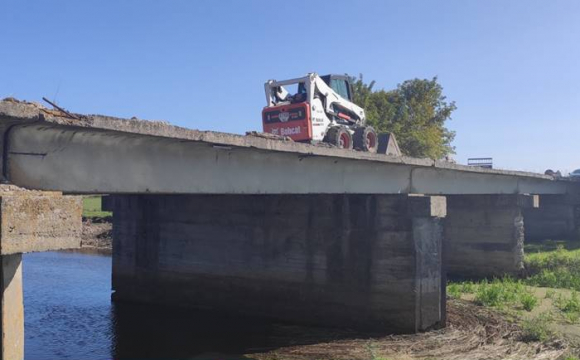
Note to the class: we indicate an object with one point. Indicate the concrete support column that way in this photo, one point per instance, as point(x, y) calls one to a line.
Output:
point(12, 308)
point(365, 261)
point(29, 221)
point(484, 234)
point(557, 218)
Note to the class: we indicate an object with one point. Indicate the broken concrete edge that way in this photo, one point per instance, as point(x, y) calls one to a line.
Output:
point(34, 221)
point(15, 112)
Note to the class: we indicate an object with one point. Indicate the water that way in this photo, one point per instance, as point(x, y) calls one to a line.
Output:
point(69, 315)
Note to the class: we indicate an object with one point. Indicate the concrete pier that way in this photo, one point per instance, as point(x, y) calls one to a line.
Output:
point(557, 218)
point(12, 308)
point(30, 221)
point(484, 235)
point(364, 261)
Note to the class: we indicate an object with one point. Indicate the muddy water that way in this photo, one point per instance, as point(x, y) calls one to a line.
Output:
point(69, 315)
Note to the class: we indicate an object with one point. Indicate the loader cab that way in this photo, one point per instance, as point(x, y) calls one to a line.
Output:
point(340, 84)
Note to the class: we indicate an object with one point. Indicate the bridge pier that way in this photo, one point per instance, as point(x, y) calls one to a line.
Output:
point(30, 221)
point(365, 261)
point(557, 218)
point(484, 234)
point(12, 308)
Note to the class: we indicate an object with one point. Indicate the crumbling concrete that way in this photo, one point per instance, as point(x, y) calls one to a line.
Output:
point(38, 221)
point(29, 221)
point(364, 261)
point(484, 235)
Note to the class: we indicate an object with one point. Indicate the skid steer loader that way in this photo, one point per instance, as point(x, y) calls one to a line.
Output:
point(319, 108)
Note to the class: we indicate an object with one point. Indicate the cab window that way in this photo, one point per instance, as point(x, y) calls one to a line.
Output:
point(341, 87)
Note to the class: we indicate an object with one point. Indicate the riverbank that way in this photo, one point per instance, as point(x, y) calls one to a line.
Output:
point(97, 233)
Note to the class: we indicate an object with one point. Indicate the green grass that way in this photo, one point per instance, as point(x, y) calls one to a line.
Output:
point(555, 268)
point(92, 207)
point(499, 293)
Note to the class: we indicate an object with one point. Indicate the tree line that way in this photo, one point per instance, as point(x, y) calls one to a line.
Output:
point(416, 112)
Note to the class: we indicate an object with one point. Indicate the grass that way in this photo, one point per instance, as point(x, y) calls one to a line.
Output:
point(555, 268)
point(499, 293)
point(92, 207)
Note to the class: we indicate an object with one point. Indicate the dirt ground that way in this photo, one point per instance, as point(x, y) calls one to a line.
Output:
point(473, 332)
point(97, 233)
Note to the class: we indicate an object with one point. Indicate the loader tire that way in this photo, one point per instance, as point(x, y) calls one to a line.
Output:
point(365, 139)
point(339, 137)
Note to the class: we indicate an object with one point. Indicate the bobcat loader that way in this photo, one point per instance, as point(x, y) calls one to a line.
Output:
point(318, 109)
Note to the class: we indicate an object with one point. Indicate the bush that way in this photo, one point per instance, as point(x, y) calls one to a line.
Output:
point(558, 269)
point(537, 329)
point(528, 301)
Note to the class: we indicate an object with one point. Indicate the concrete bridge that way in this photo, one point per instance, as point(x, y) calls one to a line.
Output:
point(266, 226)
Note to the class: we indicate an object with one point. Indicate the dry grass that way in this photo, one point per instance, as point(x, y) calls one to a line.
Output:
point(473, 332)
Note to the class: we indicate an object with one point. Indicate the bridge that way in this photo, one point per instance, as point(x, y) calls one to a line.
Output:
point(262, 225)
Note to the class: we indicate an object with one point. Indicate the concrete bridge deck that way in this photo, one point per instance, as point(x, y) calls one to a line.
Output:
point(265, 226)
point(48, 150)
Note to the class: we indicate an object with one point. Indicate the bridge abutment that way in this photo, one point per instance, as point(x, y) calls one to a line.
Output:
point(365, 261)
point(29, 221)
point(484, 235)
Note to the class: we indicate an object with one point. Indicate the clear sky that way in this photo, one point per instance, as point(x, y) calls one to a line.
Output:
point(512, 67)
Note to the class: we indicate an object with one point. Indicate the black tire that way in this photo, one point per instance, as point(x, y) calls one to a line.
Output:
point(366, 139)
point(339, 137)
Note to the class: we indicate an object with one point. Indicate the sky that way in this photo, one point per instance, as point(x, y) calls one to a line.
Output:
point(511, 66)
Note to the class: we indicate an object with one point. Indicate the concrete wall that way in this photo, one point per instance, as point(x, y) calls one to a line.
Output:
point(29, 221)
point(484, 235)
point(38, 221)
point(557, 218)
point(359, 260)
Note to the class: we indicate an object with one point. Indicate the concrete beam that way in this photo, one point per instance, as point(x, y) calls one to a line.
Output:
point(88, 160)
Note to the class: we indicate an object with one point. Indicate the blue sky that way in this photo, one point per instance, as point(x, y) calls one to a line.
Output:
point(512, 67)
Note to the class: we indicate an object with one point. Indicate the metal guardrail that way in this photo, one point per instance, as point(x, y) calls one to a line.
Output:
point(481, 162)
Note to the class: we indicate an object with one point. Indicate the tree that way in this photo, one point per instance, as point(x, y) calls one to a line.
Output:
point(416, 112)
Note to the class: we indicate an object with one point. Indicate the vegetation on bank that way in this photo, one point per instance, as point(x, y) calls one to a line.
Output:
point(555, 268)
point(92, 207)
point(553, 265)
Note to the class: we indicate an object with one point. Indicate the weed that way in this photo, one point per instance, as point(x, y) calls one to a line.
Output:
point(502, 292)
point(467, 287)
point(550, 293)
point(528, 301)
point(454, 290)
point(558, 269)
point(569, 305)
point(536, 329)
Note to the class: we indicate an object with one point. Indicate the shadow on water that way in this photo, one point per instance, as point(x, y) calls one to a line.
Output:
point(148, 331)
point(69, 315)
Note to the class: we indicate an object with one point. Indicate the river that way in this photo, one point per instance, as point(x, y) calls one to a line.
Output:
point(69, 315)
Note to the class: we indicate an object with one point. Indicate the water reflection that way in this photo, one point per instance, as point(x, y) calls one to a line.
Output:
point(69, 315)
